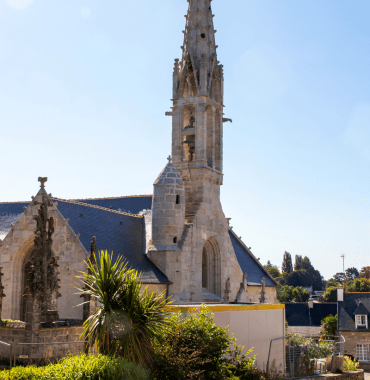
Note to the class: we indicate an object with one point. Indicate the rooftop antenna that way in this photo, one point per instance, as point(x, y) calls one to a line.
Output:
point(343, 257)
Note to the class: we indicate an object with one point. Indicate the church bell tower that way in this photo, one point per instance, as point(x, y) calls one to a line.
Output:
point(190, 239)
point(197, 112)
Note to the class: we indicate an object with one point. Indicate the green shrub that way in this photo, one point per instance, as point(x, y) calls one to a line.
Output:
point(349, 365)
point(328, 326)
point(80, 368)
point(195, 348)
point(128, 319)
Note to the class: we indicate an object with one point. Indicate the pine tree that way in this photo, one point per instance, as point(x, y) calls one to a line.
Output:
point(287, 266)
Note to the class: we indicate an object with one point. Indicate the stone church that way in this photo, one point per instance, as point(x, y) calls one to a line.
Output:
point(178, 237)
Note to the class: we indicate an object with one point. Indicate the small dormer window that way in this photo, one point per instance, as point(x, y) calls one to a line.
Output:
point(361, 321)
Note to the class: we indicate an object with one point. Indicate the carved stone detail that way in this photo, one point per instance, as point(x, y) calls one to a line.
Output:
point(41, 272)
point(242, 288)
point(263, 291)
point(227, 291)
point(2, 295)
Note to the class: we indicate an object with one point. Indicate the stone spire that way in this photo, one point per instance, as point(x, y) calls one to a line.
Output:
point(199, 36)
point(199, 72)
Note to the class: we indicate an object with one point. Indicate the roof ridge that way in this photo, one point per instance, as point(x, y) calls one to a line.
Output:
point(9, 203)
point(95, 206)
point(120, 197)
point(250, 252)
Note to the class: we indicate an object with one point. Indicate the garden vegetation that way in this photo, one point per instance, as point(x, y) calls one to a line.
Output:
point(84, 367)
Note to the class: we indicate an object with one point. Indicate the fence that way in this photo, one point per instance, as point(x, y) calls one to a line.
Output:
point(295, 351)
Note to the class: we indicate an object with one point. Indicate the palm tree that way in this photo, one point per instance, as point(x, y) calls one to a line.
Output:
point(128, 320)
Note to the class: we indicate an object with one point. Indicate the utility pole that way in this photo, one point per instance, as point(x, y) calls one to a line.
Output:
point(342, 256)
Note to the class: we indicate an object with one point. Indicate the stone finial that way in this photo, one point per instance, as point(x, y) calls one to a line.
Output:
point(227, 290)
point(169, 158)
point(42, 180)
point(263, 291)
point(242, 288)
point(93, 249)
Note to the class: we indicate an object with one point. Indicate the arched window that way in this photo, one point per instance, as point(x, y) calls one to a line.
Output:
point(211, 267)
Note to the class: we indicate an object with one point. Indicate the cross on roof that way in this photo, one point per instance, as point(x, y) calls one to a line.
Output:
point(169, 158)
point(42, 180)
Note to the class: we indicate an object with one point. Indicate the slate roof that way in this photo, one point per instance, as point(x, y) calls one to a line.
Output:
point(299, 314)
point(361, 310)
point(347, 309)
point(131, 204)
point(249, 264)
point(121, 233)
point(108, 219)
point(9, 214)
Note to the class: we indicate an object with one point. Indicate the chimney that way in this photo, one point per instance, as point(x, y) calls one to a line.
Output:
point(340, 293)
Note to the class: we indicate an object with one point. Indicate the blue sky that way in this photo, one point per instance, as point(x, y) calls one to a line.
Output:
point(84, 86)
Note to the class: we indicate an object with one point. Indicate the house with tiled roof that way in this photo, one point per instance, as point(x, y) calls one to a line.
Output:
point(177, 238)
point(353, 325)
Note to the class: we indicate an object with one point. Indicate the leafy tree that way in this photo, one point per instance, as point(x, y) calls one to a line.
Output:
point(298, 262)
point(306, 264)
point(287, 266)
point(305, 278)
point(365, 272)
point(293, 294)
point(328, 326)
point(332, 283)
point(128, 320)
point(268, 265)
point(358, 285)
point(330, 294)
point(272, 269)
point(195, 348)
point(352, 273)
point(274, 272)
point(340, 277)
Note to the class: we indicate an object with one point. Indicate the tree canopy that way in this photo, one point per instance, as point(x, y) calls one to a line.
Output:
point(287, 266)
point(292, 294)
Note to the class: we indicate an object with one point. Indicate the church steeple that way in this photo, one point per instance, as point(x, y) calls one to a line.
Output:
point(198, 94)
point(199, 36)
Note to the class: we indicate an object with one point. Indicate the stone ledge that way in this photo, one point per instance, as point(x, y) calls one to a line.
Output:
point(13, 325)
point(350, 375)
point(153, 248)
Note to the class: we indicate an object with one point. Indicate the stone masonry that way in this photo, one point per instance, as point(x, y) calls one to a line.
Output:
point(201, 261)
point(14, 250)
point(352, 338)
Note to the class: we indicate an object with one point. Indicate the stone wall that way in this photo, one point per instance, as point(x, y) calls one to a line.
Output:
point(40, 354)
point(355, 375)
point(304, 330)
point(353, 338)
point(66, 247)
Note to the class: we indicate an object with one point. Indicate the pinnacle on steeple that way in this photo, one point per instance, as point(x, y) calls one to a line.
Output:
point(199, 68)
point(199, 34)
